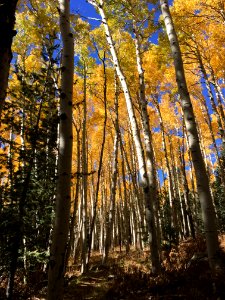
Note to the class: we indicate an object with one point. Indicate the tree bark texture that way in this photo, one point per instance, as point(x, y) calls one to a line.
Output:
point(150, 159)
point(63, 189)
point(208, 212)
point(144, 180)
point(100, 158)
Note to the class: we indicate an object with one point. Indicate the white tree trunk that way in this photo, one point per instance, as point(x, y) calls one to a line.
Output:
point(208, 213)
point(144, 180)
point(63, 190)
point(111, 218)
point(84, 254)
point(150, 160)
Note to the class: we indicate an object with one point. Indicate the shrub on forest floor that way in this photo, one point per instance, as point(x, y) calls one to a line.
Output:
point(179, 257)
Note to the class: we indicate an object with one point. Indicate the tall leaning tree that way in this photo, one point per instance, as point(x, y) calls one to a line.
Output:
point(7, 32)
point(63, 189)
point(208, 212)
point(100, 5)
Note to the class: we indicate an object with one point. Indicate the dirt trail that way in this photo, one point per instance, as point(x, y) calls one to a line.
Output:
point(93, 285)
point(127, 277)
point(185, 275)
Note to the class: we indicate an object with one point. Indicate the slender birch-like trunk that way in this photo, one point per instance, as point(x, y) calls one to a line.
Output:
point(84, 254)
point(126, 208)
point(220, 94)
point(196, 207)
point(219, 98)
point(130, 109)
point(186, 190)
point(177, 204)
point(63, 189)
point(151, 172)
point(208, 121)
point(218, 158)
point(172, 199)
point(100, 158)
point(212, 101)
point(111, 218)
point(208, 212)
point(137, 195)
point(144, 180)
point(75, 204)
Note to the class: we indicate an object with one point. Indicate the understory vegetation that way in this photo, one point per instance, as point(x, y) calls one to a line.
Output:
point(186, 275)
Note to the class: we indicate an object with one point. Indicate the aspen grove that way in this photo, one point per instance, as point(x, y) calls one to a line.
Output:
point(112, 144)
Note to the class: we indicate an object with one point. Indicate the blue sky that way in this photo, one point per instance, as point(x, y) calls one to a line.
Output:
point(84, 9)
point(87, 10)
point(83, 6)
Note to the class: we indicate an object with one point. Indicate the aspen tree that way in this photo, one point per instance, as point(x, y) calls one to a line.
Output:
point(84, 254)
point(193, 183)
point(212, 101)
point(63, 189)
point(138, 210)
point(180, 204)
point(125, 196)
point(111, 217)
point(101, 155)
point(208, 212)
point(172, 197)
point(144, 180)
point(219, 98)
point(208, 121)
point(71, 241)
point(186, 188)
point(150, 160)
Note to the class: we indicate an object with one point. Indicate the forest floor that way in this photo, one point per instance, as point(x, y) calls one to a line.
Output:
point(185, 275)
